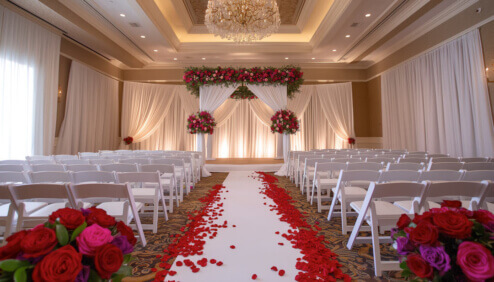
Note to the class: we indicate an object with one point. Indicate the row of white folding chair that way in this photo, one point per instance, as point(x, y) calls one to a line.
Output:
point(378, 210)
point(70, 195)
point(461, 165)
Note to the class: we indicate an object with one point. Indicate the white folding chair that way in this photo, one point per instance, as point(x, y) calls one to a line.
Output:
point(100, 161)
point(123, 210)
point(344, 193)
point(7, 212)
point(478, 175)
point(139, 161)
point(444, 160)
point(74, 162)
point(440, 175)
point(364, 166)
point(438, 155)
point(41, 162)
point(404, 166)
point(59, 158)
point(325, 180)
point(474, 160)
point(119, 167)
point(168, 181)
point(7, 177)
point(40, 158)
point(81, 167)
point(49, 177)
point(445, 166)
point(412, 160)
point(146, 195)
point(308, 174)
point(180, 173)
point(13, 162)
point(382, 160)
point(478, 166)
point(299, 166)
point(188, 171)
point(47, 167)
point(488, 202)
point(399, 175)
point(11, 167)
point(377, 212)
point(92, 177)
point(88, 155)
point(34, 212)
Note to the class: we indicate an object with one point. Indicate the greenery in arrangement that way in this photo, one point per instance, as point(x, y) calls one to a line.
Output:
point(291, 76)
point(243, 92)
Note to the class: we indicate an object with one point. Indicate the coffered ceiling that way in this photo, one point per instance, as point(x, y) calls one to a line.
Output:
point(135, 34)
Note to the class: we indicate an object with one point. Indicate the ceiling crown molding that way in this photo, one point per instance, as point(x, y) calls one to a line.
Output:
point(330, 20)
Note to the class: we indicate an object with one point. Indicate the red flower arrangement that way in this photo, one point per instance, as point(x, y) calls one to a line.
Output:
point(351, 141)
point(202, 122)
point(284, 122)
point(289, 75)
point(128, 140)
point(447, 243)
point(72, 246)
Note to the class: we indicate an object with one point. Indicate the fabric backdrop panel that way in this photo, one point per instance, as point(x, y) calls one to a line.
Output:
point(299, 103)
point(29, 62)
point(144, 108)
point(275, 96)
point(91, 113)
point(438, 102)
point(212, 96)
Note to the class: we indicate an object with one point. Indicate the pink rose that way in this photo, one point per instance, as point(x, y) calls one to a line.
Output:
point(475, 260)
point(92, 238)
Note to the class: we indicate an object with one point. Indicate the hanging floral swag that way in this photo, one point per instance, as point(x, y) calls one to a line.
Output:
point(284, 122)
point(243, 93)
point(201, 122)
point(290, 76)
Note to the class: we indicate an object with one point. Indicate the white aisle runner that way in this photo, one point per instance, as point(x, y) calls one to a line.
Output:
point(256, 244)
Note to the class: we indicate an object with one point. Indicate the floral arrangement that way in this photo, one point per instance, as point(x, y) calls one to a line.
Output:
point(202, 122)
point(351, 140)
point(87, 245)
point(446, 244)
point(242, 93)
point(290, 76)
point(284, 121)
point(128, 140)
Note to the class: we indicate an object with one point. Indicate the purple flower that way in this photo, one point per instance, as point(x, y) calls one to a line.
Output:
point(83, 276)
point(393, 232)
point(436, 257)
point(404, 246)
point(123, 244)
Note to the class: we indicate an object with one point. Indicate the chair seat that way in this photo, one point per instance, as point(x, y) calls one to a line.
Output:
point(353, 192)
point(47, 210)
point(360, 183)
point(328, 181)
point(116, 209)
point(383, 208)
point(143, 192)
point(490, 207)
point(32, 206)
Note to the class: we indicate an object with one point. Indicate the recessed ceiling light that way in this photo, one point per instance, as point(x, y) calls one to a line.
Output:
point(367, 15)
point(122, 15)
point(203, 58)
point(143, 36)
point(286, 58)
point(334, 50)
point(175, 59)
point(313, 58)
point(348, 35)
point(155, 50)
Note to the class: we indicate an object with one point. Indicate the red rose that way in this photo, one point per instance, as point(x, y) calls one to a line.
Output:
point(68, 217)
point(38, 242)
point(483, 216)
point(453, 224)
point(419, 266)
point(404, 221)
point(451, 204)
point(101, 218)
point(424, 233)
point(108, 259)
point(13, 246)
point(427, 216)
point(127, 232)
point(63, 264)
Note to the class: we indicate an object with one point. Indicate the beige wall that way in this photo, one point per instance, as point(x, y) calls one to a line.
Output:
point(63, 82)
point(360, 109)
point(374, 105)
point(487, 36)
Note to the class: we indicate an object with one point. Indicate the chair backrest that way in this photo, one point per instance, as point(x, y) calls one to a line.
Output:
point(397, 189)
point(444, 160)
point(359, 175)
point(93, 176)
point(88, 154)
point(312, 162)
point(412, 160)
point(134, 161)
point(445, 166)
point(169, 161)
point(5, 193)
point(478, 166)
point(73, 162)
point(49, 176)
point(404, 166)
point(81, 167)
point(380, 160)
point(38, 191)
point(364, 166)
point(39, 158)
point(47, 167)
point(478, 175)
point(59, 158)
point(37, 162)
point(79, 192)
point(100, 161)
point(13, 177)
point(438, 155)
point(391, 155)
point(13, 162)
point(161, 168)
point(474, 160)
point(119, 167)
point(475, 190)
point(346, 160)
point(440, 175)
point(399, 175)
point(11, 167)
point(138, 177)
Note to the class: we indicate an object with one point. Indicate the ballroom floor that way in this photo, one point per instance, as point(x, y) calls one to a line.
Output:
point(357, 263)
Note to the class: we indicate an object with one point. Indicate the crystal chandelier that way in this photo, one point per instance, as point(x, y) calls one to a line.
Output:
point(242, 21)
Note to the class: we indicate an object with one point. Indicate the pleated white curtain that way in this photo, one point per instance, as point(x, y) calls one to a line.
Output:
point(29, 61)
point(438, 102)
point(91, 113)
point(337, 105)
point(144, 108)
point(262, 111)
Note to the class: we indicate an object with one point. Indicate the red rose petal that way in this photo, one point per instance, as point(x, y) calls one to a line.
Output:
point(254, 276)
point(179, 263)
point(274, 268)
point(220, 263)
point(281, 272)
point(281, 244)
point(212, 261)
point(172, 273)
point(154, 269)
point(232, 247)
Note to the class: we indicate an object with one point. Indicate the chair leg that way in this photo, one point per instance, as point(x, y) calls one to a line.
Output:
point(333, 206)
point(376, 250)
point(343, 217)
point(307, 189)
point(164, 206)
point(312, 193)
point(155, 213)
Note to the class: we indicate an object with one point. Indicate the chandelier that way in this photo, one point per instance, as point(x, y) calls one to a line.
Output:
point(242, 21)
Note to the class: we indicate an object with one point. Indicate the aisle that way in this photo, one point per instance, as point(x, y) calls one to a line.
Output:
point(257, 246)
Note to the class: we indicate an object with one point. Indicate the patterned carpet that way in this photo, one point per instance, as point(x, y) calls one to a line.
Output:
point(358, 262)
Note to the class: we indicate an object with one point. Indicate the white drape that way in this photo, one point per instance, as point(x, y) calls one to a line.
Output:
point(438, 102)
point(144, 108)
point(337, 105)
point(29, 61)
point(91, 113)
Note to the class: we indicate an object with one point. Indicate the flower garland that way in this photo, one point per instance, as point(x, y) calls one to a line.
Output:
point(128, 140)
point(202, 122)
point(446, 244)
point(242, 93)
point(72, 246)
point(284, 122)
point(290, 76)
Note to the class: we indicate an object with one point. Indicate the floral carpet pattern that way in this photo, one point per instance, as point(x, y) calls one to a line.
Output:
point(357, 263)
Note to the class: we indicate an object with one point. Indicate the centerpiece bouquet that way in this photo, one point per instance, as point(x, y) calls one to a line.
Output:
point(74, 245)
point(446, 244)
point(201, 122)
point(284, 122)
